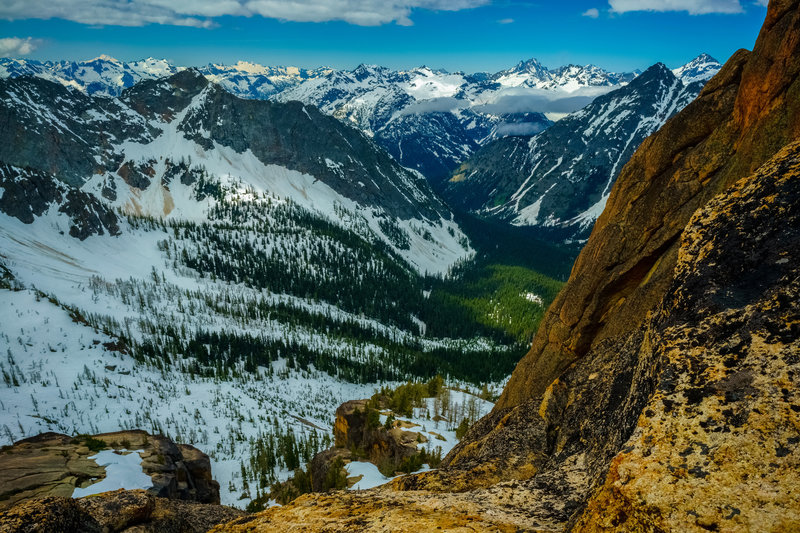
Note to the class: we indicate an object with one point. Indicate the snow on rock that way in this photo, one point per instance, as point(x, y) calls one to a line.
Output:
point(123, 471)
point(370, 475)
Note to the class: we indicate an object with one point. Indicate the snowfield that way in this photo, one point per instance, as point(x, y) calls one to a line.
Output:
point(71, 380)
point(62, 375)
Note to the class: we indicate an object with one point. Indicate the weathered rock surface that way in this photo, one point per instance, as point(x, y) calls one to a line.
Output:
point(660, 393)
point(135, 511)
point(353, 431)
point(717, 446)
point(53, 464)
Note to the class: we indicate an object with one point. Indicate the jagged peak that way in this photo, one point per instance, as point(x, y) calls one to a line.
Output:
point(529, 65)
point(104, 58)
point(701, 68)
point(704, 57)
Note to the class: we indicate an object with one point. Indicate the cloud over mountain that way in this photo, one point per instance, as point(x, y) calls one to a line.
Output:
point(14, 46)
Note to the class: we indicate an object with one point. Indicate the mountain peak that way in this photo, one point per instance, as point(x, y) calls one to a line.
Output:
point(702, 68)
point(106, 58)
point(532, 65)
point(657, 67)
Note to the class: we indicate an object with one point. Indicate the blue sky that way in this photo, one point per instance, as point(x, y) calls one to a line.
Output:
point(469, 35)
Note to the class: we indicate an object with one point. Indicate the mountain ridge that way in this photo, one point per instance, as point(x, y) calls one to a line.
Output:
point(429, 120)
point(559, 180)
point(95, 134)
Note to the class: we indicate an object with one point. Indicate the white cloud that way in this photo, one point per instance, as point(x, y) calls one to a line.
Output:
point(505, 21)
point(762, 3)
point(200, 13)
point(14, 46)
point(525, 100)
point(591, 13)
point(693, 7)
point(444, 104)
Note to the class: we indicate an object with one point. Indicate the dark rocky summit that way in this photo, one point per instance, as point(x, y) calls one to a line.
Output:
point(27, 193)
point(38, 476)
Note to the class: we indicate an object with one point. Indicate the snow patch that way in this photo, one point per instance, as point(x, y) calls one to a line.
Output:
point(123, 471)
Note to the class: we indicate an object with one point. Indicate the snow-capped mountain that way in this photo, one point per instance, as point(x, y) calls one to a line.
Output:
point(429, 120)
point(125, 150)
point(102, 76)
point(700, 69)
point(432, 120)
point(560, 179)
point(250, 80)
point(533, 74)
point(107, 76)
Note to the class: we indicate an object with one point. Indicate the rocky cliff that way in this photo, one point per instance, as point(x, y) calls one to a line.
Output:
point(744, 115)
point(659, 394)
point(41, 478)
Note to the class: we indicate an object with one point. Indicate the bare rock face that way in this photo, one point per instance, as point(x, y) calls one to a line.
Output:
point(123, 511)
point(629, 263)
point(46, 515)
point(53, 464)
point(717, 446)
point(352, 430)
point(28, 193)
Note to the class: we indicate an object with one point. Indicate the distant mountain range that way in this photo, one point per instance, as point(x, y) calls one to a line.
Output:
point(429, 120)
point(514, 166)
point(560, 179)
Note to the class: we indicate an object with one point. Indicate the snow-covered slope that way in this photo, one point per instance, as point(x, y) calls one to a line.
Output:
point(561, 178)
point(127, 152)
point(224, 271)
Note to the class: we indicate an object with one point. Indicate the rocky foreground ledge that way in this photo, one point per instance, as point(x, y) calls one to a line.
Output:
point(40, 475)
point(53, 464)
point(121, 511)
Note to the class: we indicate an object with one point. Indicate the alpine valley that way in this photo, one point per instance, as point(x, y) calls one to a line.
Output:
point(559, 181)
point(268, 298)
point(228, 271)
